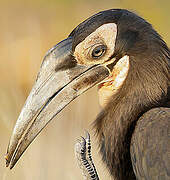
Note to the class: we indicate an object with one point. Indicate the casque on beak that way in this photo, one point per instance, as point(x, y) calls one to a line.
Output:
point(60, 80)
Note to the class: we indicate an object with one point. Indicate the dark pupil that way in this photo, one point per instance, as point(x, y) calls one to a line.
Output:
point(98, 51)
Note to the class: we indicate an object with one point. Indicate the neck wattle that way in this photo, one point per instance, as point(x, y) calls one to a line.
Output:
point(112, 84)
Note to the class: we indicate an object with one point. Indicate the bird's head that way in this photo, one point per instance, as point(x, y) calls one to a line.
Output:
point(96, 52)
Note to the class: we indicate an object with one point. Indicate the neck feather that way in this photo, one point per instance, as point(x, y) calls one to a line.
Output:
point(145, 87)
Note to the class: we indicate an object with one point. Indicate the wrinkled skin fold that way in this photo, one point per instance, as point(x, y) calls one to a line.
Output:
point(60, 80)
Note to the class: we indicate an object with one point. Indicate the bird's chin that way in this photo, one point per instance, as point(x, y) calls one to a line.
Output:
point(110, 85)
point(104, 94)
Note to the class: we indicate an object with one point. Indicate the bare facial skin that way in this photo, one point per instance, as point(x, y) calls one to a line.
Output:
point(104, 35)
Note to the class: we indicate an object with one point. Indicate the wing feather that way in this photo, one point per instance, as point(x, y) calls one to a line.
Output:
point(150, 145)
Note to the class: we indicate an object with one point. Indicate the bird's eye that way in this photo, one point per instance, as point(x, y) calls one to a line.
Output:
point(98, 51)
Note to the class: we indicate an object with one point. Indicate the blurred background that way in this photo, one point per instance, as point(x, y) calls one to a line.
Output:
point(28, 28)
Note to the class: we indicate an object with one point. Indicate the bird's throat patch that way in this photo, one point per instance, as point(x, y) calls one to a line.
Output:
point(111, 84)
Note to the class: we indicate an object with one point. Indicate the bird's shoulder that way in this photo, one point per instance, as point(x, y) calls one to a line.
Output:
point(150, 145)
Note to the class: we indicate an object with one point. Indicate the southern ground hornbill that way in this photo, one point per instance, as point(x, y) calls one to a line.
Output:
point(127, 58)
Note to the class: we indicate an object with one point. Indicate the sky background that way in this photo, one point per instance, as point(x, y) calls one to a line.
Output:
point(27, 30)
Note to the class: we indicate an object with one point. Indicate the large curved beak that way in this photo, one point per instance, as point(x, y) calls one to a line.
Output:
point(59, 81)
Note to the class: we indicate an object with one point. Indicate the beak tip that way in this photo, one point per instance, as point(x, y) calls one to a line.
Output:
point(11, 166)
point(7, 160)
point(9, 163)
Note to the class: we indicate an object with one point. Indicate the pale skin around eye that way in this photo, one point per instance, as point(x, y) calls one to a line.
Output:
point(105, 34)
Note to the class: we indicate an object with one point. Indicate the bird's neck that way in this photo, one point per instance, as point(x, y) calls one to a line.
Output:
point(143, 89)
